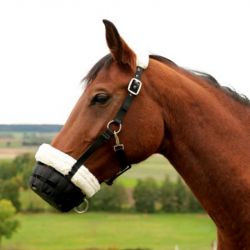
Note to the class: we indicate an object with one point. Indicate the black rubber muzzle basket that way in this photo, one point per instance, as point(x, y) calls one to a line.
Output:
point(55, 188)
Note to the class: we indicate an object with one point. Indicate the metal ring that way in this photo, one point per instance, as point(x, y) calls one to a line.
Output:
point(83, 207)
point(115, 123)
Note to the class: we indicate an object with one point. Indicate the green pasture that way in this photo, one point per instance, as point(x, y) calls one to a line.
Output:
point(99, 231)
point(10, 139)
point(156, 167)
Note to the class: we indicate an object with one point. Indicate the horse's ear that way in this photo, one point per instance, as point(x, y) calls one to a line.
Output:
point(118, 47)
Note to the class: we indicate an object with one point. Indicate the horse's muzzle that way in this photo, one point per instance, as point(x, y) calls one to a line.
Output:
point(55, 188)
point(51, 180)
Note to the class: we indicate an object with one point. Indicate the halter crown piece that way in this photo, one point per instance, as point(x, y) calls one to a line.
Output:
point(64, 181)
point(142, 60)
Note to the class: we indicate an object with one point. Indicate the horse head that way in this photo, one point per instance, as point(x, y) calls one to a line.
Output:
point(116, 122)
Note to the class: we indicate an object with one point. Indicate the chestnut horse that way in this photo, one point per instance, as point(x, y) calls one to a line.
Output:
point(203, 129)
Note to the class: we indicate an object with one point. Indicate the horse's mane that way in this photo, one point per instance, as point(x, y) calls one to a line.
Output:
point(106, 61)
point(209, 79)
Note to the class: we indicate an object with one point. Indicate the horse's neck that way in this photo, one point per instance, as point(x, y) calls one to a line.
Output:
point(208, 143)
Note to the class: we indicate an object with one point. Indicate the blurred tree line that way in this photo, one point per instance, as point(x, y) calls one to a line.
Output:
point(8, 223)
point(148, 196)
point(36, 128)
point(13, 176)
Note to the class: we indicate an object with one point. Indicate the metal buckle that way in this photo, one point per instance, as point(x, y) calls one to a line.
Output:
point(134, 86)
point(83, 207)
point(114, 123)
point(118, 147)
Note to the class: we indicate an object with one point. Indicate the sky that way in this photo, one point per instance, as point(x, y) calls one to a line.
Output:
point(47, 46)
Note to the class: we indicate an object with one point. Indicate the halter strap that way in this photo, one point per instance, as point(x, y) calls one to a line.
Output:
point(133, 90)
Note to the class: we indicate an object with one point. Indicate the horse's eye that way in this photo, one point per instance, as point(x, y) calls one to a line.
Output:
point(100, 99)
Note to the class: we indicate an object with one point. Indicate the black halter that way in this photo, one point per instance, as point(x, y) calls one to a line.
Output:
point(134, 88)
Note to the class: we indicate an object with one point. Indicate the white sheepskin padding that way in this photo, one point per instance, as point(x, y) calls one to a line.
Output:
point(63, 163)
point(142, 60)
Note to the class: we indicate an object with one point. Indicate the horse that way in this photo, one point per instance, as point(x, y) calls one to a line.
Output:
point(134, 105)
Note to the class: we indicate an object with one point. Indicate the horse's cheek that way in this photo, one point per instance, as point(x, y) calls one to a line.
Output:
point(146, 137)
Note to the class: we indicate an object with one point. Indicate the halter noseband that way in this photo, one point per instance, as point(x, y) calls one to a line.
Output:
point(134, 88)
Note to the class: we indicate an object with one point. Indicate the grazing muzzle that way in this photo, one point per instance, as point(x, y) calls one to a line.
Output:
point(50, 179)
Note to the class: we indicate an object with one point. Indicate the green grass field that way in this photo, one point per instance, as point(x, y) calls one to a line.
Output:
point(13, 143)
point(156, 167)
point(112, 231)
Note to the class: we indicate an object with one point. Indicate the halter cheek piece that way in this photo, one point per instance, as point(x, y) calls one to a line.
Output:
point(64, 182)
point(114, 127)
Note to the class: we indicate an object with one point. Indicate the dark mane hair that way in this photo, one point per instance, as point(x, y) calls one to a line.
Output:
point(106, 61)
point(210, 79)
